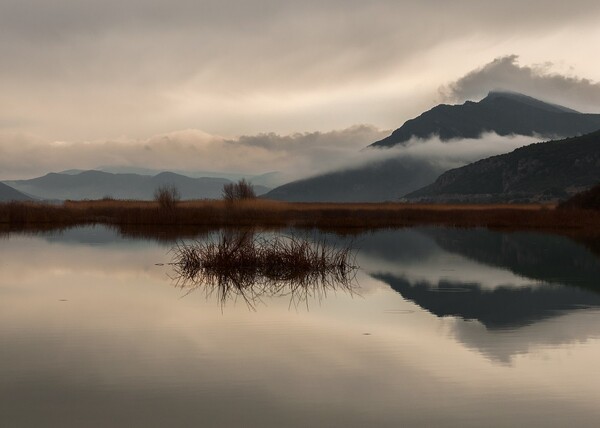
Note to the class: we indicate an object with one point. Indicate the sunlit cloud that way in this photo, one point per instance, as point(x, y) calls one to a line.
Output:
point(540, 81)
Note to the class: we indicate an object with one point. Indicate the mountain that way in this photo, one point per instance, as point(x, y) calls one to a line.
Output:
point(375, 182)
point(504, 113)
point(7, 193)
point(268, 179)
point(543, 171)
point(97, 184)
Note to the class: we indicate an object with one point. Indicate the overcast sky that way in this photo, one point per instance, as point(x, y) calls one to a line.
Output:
point(85, 70)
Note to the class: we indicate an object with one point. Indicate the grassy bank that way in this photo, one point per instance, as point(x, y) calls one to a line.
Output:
point(263, 213)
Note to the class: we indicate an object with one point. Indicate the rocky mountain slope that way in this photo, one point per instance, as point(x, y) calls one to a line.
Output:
point(552, 170)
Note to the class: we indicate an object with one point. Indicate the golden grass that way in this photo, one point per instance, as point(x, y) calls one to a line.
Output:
point(266, 213)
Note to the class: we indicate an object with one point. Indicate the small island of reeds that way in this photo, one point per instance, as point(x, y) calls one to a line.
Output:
point(248, 266)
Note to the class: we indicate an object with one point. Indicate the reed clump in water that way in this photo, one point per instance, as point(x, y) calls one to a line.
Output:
point(250, 267)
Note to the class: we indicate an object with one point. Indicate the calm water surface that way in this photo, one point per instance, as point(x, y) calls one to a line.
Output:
point(464, 328)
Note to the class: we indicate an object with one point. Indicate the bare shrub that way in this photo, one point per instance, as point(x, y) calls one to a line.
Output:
point(229, 192)
point(167, 196)
point(238, 191)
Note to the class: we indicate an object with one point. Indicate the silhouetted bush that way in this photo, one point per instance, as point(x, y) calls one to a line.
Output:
point(167, 196)
point(238, 191)
point(588, 200)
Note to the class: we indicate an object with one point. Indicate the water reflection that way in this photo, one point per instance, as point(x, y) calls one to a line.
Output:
point(550, 259)
point(241, 265)
point(515, 286)
point(504, 307)
point(92, 335)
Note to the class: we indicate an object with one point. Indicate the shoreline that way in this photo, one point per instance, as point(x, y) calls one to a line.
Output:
point(274, 214)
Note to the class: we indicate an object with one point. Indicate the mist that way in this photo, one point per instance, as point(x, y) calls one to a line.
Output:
point(443, 154)
point(294, 156)
point(389, 174)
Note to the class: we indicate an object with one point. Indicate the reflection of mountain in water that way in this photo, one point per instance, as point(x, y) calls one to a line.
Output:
point(552, 259)
point(503, 307)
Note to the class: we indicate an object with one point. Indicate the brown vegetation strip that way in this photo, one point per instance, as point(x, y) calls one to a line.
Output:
point(264, 213)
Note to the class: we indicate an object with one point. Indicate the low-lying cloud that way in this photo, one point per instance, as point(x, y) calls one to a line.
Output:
point(294, 156)
point(444, 154)
point(539, 81)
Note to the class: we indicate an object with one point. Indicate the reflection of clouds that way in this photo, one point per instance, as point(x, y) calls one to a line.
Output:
point(132, 342)
point(504, 323)
point(28, 258)
point(568, 330)
point(541, 315)
point(126, 347)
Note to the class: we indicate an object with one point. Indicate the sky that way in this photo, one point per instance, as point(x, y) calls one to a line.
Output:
point(118, 75)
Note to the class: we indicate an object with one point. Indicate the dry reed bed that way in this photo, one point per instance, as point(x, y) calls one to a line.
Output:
point(280, 214)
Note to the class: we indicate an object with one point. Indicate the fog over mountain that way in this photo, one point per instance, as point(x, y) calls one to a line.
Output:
point(292, 156)
point(387, 174)
point(542, 171)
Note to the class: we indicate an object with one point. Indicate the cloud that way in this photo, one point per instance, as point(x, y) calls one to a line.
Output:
point(295, 156)
point(539, 81)
point(99, 69)
point(442, 154)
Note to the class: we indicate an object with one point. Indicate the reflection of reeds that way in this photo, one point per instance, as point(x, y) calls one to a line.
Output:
point(243, 265)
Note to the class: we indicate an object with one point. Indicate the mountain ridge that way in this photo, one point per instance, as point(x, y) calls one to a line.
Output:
point(8, 193)
point(501, 112)
point(93, 184)
point(545, 171)
point(375, 182)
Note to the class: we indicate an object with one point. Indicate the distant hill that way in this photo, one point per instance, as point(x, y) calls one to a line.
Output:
point(552, 170)
point(375, 182)
point(268, 179)
point(504, 113)
point(7, 193)
point(96, 184)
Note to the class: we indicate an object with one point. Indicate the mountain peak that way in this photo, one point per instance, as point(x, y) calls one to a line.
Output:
point(502, 112)
point(527, 100)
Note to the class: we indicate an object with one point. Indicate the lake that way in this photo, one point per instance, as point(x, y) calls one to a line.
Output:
point(441, 327)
